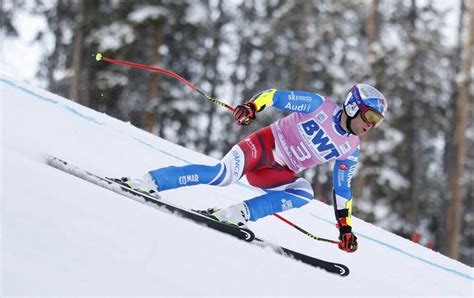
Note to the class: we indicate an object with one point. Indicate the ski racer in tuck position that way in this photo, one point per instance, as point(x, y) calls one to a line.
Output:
point(317, 132)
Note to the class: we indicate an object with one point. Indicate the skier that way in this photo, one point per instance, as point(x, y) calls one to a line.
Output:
point(317, 132)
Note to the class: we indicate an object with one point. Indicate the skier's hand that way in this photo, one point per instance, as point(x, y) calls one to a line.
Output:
point(245, 113)
point(348, 242)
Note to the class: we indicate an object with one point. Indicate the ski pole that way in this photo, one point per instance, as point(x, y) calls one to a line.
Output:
point(304, 231)
point(99, 57)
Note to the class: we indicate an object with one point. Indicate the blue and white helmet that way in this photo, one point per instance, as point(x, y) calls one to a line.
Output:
point(367, 100)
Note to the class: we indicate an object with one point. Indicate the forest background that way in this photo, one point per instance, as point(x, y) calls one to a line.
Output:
point(416, 172)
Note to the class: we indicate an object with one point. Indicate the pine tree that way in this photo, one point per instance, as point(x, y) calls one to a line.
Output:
point(232, 50)
point(456, 166)
point(413, 76)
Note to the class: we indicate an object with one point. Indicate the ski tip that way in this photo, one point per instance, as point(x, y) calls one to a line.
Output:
point(98, 56)
point(343, 270)
point(48, 159)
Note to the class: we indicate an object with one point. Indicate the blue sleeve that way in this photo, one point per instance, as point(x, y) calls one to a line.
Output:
point(297, 101)
point(342, 176)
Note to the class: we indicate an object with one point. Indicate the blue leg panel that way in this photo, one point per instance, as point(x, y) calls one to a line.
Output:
point(274, 202)
point(175, 177)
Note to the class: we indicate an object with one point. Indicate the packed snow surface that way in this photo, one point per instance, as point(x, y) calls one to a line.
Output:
point(64, 236)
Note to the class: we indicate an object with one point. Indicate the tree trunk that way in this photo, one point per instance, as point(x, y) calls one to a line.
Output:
point(372, 29)
point(441, 235)
point(79, 88)
point(77, 53)
point(372, 24)
point(412, 206)
point(214, 77)
point(454, 212)
point(153, 92)
point(301, 61)
point(53, 60)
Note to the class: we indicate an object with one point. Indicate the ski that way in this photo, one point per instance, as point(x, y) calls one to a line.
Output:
point(196, 216)
point(328, 266)
point(153, 199)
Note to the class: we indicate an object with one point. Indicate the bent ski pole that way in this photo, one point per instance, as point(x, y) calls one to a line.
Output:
point(99, 57)
point(304, 231)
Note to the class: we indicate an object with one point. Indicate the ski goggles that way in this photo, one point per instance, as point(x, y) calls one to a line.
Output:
point(368, 114)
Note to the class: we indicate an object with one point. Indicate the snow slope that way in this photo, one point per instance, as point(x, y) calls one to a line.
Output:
point(63, 236)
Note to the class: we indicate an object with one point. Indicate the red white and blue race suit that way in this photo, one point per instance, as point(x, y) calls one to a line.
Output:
point(271, 157)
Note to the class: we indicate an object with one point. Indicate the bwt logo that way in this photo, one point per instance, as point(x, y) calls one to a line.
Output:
point(183, 180)
point(320, 140)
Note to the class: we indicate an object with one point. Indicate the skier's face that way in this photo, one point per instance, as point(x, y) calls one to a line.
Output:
point(359, 126)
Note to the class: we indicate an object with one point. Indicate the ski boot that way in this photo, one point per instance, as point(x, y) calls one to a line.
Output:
point(236, 215)
point(144, 185)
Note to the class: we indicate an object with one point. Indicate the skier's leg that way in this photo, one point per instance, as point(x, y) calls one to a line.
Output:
point(228, 171)
point(285, 197)
point(250, 154)
point(285, 191)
